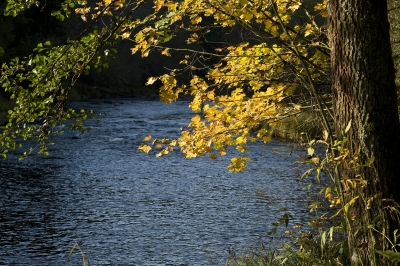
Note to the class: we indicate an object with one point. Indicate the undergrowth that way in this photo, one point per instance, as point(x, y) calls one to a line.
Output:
point(326, 241)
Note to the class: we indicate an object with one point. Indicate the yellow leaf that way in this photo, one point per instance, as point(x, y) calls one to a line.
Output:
point(139, 36)
point(246, 16)
point(119, 4)
point(144, 148)
point(238, 164)
point(82, 11)
point(171, 6)
point(210, 95)
point(199, 143)
point(166, 52)
point(320, 7)
point(196, 20)
point(145, 53)
point(240, 140)
point(308, 31)
point(134, 50)
point(284, 36)
point(151, 80)
point(158, 4)
point(147, 138)
point(193, 38)
point(294, 7)
point(125, 35)
point(266, 139)
point(242, 149)
point(196, 120)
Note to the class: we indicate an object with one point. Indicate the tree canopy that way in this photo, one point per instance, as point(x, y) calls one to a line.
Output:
point(243, 85)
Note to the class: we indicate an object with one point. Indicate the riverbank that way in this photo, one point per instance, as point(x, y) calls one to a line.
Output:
point(82, 91)
point(300, 128)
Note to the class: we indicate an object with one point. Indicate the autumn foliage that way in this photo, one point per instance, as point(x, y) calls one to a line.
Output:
point(286, 53)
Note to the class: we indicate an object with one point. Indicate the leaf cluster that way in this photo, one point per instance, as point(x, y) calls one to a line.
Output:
point(39, 84)
point(251, 85)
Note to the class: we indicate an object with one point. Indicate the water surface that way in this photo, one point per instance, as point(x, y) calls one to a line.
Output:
point(127, 208)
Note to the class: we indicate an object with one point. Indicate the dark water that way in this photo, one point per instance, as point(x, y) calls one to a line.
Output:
point(127, 208)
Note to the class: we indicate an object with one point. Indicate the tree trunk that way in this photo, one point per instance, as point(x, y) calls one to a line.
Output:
point(364, 92)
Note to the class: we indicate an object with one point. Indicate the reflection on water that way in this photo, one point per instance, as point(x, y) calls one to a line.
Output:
point(127, 208)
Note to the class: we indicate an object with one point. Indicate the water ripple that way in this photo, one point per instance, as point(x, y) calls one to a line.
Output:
point(128, 208)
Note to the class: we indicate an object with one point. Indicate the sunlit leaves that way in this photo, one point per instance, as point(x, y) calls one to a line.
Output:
point(166, 52)
point(39, 85)
point(147, 138)
point(247, 88)
point(151, 80)
point(322, 8)
point(238, 164)
point(193, 38)
point(309, 29)
point(168, 93)
point(196, 20)
point(82, 11)
point(295, 5)
point(16, 6)
point(144, 148)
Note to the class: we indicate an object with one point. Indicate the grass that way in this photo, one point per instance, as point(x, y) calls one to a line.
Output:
point(305, 252)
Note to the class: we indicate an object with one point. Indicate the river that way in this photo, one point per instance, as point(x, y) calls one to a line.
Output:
point(124, 207)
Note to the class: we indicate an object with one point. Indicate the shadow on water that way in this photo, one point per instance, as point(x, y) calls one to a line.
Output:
point(128, 208)
point(28, 208)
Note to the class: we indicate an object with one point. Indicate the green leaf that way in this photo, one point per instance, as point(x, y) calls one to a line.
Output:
point(323, 240)
point(167, 37)
point(389, 254)
point(139, 36)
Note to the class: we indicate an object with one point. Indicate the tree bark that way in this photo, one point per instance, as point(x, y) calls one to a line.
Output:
point(364, 93)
